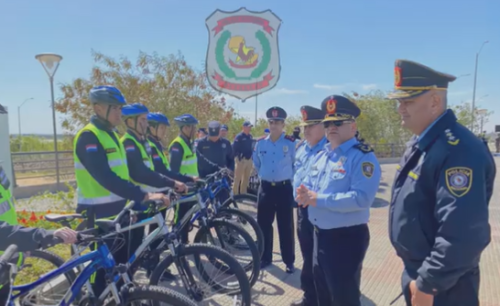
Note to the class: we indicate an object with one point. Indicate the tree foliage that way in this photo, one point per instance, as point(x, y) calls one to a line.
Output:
point(165, 84)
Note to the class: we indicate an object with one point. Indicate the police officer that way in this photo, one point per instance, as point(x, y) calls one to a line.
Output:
point(213, 152)
point(101, 170)
point(183, 160)
point(242, 149)
point(438, 218)
point(266, 132)
point(202, 133)
point(296, 134)
point(273, 158)
point(314, 141)
point(223, 136)
point(338, 191)
point(223, 131)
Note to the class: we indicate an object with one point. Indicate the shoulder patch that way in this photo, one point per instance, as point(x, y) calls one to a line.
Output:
point(363, 147)
point(291, 138)
point(458, 180)
point(130, 148)
point(367, 168)
point(91, 148)
point(452, 140)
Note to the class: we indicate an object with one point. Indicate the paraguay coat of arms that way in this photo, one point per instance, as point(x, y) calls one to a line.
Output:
point(243, 55)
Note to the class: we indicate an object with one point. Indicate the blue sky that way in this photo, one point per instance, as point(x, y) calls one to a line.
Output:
point(326, 47)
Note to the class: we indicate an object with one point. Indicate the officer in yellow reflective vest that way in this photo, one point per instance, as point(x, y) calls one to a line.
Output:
point(183, 159)
point(101, 170)
point(27, 239)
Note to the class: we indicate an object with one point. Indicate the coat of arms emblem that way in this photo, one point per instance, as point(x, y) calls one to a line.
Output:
point(243, 55)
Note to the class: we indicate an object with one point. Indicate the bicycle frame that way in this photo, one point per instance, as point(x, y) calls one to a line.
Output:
point(100, 258)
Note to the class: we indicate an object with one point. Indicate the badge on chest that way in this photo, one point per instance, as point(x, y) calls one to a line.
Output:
point(459, 180)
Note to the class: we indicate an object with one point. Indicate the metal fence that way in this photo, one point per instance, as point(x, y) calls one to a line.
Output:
point(37, 168)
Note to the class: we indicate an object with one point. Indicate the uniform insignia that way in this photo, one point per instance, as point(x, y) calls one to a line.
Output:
point(342, 159)
point(458, 180)
point(451, 138)
point(397, 76)
point(304, 115)
point(285, 149)
point(331, 106)
point(91, 148)
point(367, 168)
point(112, 150)
point(291, 138)
point(275, 113)
point(156, 157)
point(130, 148)
point(363, 147)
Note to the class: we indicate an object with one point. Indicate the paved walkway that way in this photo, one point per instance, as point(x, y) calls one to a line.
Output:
point(382, 269)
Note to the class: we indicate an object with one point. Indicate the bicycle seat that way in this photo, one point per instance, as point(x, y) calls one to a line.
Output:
point(106, 225)
point(61, 218)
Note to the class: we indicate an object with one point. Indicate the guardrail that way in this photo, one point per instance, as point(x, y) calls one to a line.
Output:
point(37, 168)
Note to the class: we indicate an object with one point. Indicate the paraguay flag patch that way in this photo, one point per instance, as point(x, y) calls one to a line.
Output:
point(156, 157)
point(130, 148)
point(91, 148)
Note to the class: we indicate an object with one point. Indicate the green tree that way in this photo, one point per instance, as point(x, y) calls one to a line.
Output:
point(165, 84)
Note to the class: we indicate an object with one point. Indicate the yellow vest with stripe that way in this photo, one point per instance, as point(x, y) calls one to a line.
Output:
point(90, 192)
point(7, 210)
point(161, 154)
point(146, 159)
point(189, 164)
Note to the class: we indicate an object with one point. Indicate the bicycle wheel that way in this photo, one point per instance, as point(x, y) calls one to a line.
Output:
point(228, 235)
point(247, 222)
point(240, 286)
point(154, 294)
point(37, 263)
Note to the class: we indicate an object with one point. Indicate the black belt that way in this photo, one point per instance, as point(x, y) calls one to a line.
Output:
point(280, 183)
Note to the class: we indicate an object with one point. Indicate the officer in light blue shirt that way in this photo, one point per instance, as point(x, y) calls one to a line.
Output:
point(273, 158)
point(338, 191)
point(314, 141)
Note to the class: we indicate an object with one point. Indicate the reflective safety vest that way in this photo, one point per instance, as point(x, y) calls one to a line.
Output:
point(7, 210)
point(189, 164)
point(146, 159)
point(161, 154)
point(90, 192)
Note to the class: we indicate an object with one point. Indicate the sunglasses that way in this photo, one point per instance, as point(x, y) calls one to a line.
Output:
point(327, 124)
point(273, 121)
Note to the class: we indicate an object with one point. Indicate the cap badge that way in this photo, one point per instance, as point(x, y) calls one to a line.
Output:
point(275, 113)
point(304, 115)
point(397, 76)
point(331, 106)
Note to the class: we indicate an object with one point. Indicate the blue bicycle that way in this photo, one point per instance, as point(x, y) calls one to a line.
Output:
point(129, 293)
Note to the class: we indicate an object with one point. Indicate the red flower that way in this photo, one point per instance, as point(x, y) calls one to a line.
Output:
point(33, 216)
point(48, 211)
point(23, 221)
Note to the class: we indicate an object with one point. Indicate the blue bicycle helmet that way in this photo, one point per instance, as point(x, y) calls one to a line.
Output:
point(134, 110)
point(186, 119)
point(106, 94)
point(158, 118)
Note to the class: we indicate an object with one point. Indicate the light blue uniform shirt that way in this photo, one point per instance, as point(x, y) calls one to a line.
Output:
point(430, 126)
point(274, 160)
point(345, 189)
point(303, 158)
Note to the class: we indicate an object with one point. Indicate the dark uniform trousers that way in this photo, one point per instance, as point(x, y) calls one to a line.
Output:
point(337, 262)
point(277, 199)
point(464, 293)
point(121, 246)
point(305, 233)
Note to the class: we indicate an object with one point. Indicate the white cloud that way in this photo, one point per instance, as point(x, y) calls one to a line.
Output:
point(369, 86)
point(286, 91)
point(353, 86)
point(329, 87)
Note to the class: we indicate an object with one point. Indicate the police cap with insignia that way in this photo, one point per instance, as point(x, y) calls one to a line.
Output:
point(311, 115)
point(412, 79)
point(202, 130)
point(276, 113)
point(213, 128)
point(339, 108)
point(224, 127)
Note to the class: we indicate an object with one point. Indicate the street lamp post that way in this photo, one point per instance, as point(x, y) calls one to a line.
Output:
point(475, 82)
point(19, 121)
point(50, 63)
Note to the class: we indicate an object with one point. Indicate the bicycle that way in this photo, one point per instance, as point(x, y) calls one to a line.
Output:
point(177, 252)
point(100, 258)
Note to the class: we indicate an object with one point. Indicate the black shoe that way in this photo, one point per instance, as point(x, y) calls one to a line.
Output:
point(290, 269)
point(264, 264)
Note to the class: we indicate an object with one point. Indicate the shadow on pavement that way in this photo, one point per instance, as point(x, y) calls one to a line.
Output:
point(380, 203)
point(268, 289)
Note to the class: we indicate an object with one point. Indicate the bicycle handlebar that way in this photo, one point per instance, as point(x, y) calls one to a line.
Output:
point(9, 253)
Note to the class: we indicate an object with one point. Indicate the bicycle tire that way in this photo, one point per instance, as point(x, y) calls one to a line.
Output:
point(210, 250)
point(259, 235)
point(254, 265)
point(154, 294)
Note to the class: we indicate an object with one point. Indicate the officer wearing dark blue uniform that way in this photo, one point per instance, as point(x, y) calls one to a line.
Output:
point(202, 133)
point(438, 221)
point(213, 152)
point(273, 158)
point(242, 150)
point(223, 136)
point(314, 141)
point(338, 191)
